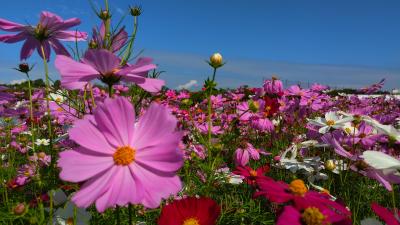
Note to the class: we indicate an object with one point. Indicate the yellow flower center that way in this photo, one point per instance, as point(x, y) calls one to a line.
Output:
point(69, 221)
point(59, 109)
point(253, 173)
point(41, 155)
point(312, 216)
point(330, 122)
point(124, 155)
point(191, 221)
point(297, 187)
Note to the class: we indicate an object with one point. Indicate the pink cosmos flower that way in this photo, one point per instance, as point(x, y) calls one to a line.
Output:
point(273, 86)
point(117, 40)
point(48, 32)
point(309, 216)
point(386, 215)
point(302, 198)
point(121, 161)
point(243, 154)
point(104, 65)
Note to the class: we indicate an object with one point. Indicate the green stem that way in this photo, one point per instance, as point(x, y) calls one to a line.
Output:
point(128, 52)
point(92, 96)
point(31, 113)
point(118, 216)
point(46, 70)
point(110, 90)
point(394, 203)
point(210, 109)
point(215, 71)
point(130, 216)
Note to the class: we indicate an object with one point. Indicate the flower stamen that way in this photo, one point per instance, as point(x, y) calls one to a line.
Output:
point(297, 187)
point(124, 155)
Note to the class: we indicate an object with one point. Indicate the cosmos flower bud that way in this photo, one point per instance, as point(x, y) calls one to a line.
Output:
point(216, 60)
point(93, 44)
point(330, 165)
point(104, 15)
point(136, 10)
point(19, 209)
point(24, 67)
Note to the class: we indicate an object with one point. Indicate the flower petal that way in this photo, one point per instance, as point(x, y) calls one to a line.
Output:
point(151, 184)
point(10, 26)
point(74, 75)
point(153, 126)
point(58, 47)
point(12, 38)
point(29, 46)
point(78, 166)
point(124, 189)
point(86, 133)
point(93, 188)
point(164, 157)
point(116, 119)
point(102, 60)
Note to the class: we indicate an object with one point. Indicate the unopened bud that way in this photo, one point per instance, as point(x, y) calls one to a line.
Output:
point(19, 209)
point(330, 165)
point(216, 60)
point(24, 67)
point(105, 15)
point(136, 10)
point(93, 44)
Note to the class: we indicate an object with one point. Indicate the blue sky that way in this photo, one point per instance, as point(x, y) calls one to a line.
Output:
point(344, 43)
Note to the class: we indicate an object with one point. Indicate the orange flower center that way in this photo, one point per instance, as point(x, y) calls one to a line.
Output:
point(69, 221)
point(41, 155)
point(330, 122)
point(59, 109)
point(253, 173)
point(191, 221)
point(297, 187)
point(124, 155)
point(312, 216)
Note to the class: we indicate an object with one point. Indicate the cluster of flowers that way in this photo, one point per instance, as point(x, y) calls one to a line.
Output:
point(120, 157)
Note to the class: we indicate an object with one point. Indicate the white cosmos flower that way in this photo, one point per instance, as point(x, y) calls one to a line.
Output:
point(331, 120)
point(44, 142)
point(381, 128)
point(291, 163)
point(350, 129)
point(57, 97)
point(381, 161)
point(225, 175)
point(65, 216)
point(385, 129)
point(370, 221)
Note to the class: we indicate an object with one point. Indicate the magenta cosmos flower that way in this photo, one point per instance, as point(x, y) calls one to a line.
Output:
point(104, 65)
point(48, 32)
point(121, 161)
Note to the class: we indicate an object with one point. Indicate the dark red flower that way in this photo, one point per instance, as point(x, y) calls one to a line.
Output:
point(190, 211)
point(385, 214)
point(271, 106)
point(251, 175)
point(297, 193)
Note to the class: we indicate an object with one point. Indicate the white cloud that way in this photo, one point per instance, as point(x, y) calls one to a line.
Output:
point(188, 85)
point(20, 81)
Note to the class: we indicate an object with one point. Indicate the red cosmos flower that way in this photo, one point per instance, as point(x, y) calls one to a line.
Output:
point(251, 175)
point(302, 198)
point(385, 214)
point(308, 216)
point(271, 106)
point(190, 211)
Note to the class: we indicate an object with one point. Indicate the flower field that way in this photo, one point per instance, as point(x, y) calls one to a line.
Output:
point(109, 143)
